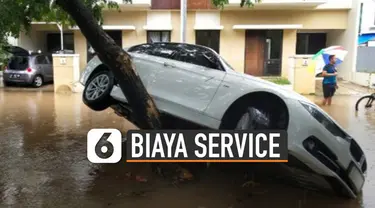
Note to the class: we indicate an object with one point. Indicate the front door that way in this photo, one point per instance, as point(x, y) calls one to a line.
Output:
point(255, 44)
point(188, 83)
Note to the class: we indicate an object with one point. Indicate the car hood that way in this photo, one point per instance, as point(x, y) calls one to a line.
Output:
point(269, 86)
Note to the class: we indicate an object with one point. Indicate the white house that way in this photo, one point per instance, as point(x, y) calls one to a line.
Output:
point(367, 23)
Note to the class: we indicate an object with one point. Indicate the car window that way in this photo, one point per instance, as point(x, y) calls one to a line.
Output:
point(160, 50)
point(18, 62)
point(181, 52)
point(198, 56)
point(41, 59)
point(50, 59)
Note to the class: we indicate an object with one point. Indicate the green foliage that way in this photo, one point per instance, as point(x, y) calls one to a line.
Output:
point(3, 55)
point(17, 15)
point(222, 3)
point(279, 80)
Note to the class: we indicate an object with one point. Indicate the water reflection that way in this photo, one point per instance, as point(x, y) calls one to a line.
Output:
point(43, 151)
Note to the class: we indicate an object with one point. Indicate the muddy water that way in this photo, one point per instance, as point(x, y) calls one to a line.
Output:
point(43, 163)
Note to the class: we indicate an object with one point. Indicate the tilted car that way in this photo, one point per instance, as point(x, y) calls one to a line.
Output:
point(195, 84)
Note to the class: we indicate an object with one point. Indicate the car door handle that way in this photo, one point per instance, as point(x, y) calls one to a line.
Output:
point(168, 65)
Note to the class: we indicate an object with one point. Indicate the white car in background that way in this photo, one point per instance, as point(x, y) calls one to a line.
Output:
point(194, 84)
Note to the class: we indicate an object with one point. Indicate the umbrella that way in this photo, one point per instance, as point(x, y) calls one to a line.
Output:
point(320, 59)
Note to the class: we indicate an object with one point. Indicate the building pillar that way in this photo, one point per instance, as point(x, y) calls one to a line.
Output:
point(288, 50)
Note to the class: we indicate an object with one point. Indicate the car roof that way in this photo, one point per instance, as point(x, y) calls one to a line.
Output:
point(185, 46)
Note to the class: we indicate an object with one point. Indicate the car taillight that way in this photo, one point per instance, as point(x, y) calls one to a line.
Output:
point(29, 70)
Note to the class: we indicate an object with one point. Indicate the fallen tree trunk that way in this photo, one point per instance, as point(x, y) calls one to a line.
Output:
point(119, 62)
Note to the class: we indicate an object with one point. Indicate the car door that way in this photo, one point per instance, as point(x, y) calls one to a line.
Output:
point(188, 81)
point(41, 65)
point(147, 63)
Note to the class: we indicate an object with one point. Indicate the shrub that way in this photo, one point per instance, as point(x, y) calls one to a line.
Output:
point(280, 81)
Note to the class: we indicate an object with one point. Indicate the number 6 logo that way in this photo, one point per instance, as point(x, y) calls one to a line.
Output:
point(104, 146)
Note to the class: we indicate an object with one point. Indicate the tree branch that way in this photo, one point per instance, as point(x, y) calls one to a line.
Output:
point(119, 62)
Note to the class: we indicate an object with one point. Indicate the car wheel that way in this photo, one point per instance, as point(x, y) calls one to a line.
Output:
point(96, 94)
point(254, 119)
point(37, 81)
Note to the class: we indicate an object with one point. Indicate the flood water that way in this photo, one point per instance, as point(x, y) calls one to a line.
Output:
point(43, 163)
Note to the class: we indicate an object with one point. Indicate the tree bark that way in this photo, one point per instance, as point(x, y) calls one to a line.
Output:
point(119, 62)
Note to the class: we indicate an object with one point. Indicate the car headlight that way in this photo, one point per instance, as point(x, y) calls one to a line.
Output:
point(327, 122)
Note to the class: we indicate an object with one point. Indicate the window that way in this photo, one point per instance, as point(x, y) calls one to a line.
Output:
point(208, 38)
point(158, 36)
point(310, 43)
point(116, 35)
point(54, 44)
point(41, 60)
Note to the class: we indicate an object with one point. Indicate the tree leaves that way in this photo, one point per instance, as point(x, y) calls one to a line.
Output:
point(221, 3)
point(17, 15)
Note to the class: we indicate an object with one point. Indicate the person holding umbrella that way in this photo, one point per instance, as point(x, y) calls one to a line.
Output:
point(324, 64)
point(329, 81)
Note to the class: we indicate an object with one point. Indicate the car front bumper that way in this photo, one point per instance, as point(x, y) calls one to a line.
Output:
point(341, 159)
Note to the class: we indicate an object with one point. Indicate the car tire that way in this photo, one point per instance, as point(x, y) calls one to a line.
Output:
point(253, 119)
point(96, 97)
point(257, 116)
point(38, 81)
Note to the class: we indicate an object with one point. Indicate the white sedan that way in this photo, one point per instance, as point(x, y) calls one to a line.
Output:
point(196, 85)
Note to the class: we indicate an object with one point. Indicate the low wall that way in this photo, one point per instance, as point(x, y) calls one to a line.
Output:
point(66, 73)
point(302, 79)
point(364, 79)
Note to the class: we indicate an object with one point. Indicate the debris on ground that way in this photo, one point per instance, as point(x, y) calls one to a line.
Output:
point(185, 175)
point(137, 178)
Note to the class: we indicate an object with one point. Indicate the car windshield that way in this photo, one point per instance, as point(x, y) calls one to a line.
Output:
point(226, 65)
point(18, 62)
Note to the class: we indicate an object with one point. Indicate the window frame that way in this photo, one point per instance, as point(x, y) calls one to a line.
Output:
point(161, 32)
point(307, 38)
point(210, 35)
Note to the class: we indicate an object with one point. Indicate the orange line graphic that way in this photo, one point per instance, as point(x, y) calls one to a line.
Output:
point(211, 161)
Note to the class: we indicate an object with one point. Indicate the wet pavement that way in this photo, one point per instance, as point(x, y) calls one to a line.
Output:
point(43, 163)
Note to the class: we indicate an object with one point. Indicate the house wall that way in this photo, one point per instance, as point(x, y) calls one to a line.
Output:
point(34, 40)
point(232, 42)
point(80, 47)
point(134, 18)
point(348, 39)
point(368, 16)
point(364, 79)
